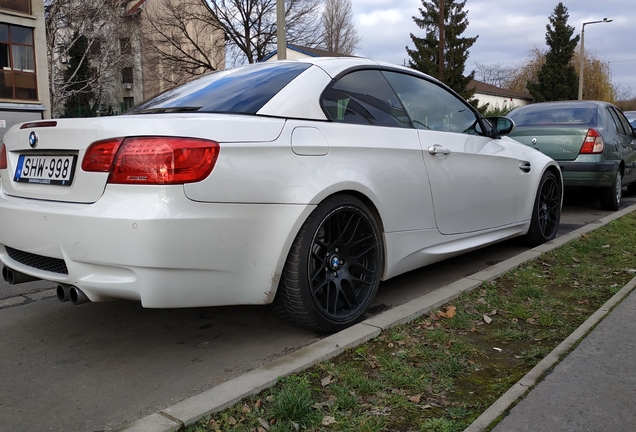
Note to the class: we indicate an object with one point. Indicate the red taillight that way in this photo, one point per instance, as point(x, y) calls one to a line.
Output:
point(593, 142)
point(152, 160)
point(101, 154)
point(3, 156)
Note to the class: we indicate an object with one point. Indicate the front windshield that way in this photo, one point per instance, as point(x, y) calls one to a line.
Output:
point(242, 90)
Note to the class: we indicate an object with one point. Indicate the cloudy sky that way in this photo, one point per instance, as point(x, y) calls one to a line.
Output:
point(507, 30)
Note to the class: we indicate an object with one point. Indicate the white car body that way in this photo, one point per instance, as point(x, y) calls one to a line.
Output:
point(225, 240)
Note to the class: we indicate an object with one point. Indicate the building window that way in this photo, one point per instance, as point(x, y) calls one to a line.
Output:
point(127, 75)
point(16, 5)
point(124, 45)
point(129, 102)
point(17, 60)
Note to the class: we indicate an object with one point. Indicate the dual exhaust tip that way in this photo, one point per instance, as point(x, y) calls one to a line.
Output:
point(64, 292)
point(71, 293)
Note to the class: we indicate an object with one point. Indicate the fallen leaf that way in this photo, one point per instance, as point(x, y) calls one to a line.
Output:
point(497, 349)
point(326, 380)
point(487, 319)
point(416, 398)
point(257, 405)
point(246, 409)
point(494, 312)
point(269, 398)
point(576, 260)
point(231, 421)
point(328, 420)
point(449, 312)
point(482, 301)
point(427, 406)
point(264, 423)
point(531, 321)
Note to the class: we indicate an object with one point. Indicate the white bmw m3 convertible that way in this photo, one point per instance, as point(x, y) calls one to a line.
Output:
point(304, 183)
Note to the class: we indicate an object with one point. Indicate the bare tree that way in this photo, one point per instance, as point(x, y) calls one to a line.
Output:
point(250, 26)
point(66, 22)
point(497, 74)
point(340, 34)
point(180, 40)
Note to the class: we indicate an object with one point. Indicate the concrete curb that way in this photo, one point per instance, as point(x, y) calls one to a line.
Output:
point(191, 410)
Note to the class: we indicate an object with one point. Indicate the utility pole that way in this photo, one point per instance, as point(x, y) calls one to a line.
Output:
point(441, 40)
point(281, 37)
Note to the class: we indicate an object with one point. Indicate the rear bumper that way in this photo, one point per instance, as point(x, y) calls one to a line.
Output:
point(588, 174)
point(154, 245)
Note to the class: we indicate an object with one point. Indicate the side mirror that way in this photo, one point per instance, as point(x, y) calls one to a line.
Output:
point(501, 125)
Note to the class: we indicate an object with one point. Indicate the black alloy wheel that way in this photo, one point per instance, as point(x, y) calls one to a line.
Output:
point(546, 213)
point(334, 268)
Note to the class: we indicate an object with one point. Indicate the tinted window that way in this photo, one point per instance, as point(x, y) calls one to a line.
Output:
point(243, 90)
point(364, 97)
point(626, 125)
point(533, 115)
point(617, 122)
point(431, 106)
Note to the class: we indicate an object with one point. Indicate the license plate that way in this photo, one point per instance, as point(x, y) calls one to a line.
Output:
point(40, 169)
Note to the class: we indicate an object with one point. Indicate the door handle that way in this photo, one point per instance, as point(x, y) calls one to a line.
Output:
point(438, 150)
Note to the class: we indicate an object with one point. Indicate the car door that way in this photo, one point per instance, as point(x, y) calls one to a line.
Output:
point(625, 141)
point(476, 181)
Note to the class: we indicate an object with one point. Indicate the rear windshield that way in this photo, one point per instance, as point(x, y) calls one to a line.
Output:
point(242, 90)
point(532, 115)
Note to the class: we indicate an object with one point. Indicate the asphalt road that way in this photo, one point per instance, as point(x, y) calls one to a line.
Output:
point(98, 366)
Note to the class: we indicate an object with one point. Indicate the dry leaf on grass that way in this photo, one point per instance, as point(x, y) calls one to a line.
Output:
point(326, 380)
point(328, 420)
point(415, 398)
point(487, 319)
point(449, 312)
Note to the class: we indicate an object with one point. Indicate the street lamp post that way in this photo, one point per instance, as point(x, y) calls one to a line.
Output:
point(281, 36)
point(582, 53)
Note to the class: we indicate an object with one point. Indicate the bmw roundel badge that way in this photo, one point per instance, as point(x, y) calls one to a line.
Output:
point(33, 139)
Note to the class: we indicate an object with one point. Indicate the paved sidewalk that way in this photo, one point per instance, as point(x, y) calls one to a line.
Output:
point(593, 388)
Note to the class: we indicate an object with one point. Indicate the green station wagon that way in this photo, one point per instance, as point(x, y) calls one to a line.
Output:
point(592, 142)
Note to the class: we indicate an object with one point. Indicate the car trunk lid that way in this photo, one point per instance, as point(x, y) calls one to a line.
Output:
point(560, 143)
point(63, 143)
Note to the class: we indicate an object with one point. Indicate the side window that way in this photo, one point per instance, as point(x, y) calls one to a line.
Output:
point(626, 125)
point(617, 121)
point(431, 106)
point(364, 97)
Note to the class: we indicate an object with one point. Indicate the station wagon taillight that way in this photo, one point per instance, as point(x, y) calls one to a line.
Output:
point(152, 160)
point(593, 142)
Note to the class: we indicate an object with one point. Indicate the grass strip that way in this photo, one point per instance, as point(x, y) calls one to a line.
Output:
point(439, 372)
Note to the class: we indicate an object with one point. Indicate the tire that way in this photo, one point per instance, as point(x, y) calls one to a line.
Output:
point(334, 267)
point(611, 197)
point(546, 212)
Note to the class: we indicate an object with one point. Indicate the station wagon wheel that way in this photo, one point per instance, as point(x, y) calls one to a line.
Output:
point(611, 197)
point(546, 212)
point(334, 268)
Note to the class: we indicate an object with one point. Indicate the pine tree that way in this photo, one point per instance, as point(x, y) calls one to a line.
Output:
point(557, 78)
point(425, 56)
point(78, 75)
